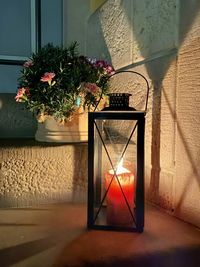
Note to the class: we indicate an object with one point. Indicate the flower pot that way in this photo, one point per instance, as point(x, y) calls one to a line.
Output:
point(74, 130)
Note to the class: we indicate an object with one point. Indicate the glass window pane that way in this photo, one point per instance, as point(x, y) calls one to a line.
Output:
point(15, 28)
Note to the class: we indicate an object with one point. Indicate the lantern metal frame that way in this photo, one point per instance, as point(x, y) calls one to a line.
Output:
point(139, 200)
point(138, 117)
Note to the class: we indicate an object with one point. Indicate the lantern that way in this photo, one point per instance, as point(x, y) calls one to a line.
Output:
point(116, 166)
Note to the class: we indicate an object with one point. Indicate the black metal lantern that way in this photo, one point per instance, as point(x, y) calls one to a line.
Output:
point(116, 165)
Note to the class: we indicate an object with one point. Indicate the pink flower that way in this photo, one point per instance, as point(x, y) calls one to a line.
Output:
point(27, 92)
point(22, 94)
point(109, 70)
point(92, 88)
point(48, 76)
point(28, 63)
point(100, 63)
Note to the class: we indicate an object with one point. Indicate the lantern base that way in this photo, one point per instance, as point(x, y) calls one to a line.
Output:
point(102, 223)
point(118, 216)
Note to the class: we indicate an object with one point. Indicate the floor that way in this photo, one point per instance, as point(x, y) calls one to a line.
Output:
point(56, 235)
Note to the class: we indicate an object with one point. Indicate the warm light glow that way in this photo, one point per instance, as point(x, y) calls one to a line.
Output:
point(120, 188)
point(120, 168)
point(1, 103)
point(94, 4)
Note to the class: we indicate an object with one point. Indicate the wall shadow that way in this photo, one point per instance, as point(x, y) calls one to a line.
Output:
point(96, 45)
point(157, 70)
point(14, 254)
point(80, 172)
point(15, 120)
point(156, 62)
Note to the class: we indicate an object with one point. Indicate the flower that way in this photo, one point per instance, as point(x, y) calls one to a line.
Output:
point(47, 77)
point(22, 94)
point(28, 63)
point(57, 81)
point(108, 69)
point(92, 88)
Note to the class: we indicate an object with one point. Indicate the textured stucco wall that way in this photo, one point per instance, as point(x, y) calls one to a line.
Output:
point(122, 31)
point(143, 33)
point(33, 173)
point(161, 41)
point(187, 182)
point(15, 121)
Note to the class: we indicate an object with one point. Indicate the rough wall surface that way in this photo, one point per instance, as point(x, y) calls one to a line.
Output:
point(154, 27)
point(131, 32)
point(15, 121)
point(187, 184)
point(31, 173)
point(149, 34)
point(160, 156)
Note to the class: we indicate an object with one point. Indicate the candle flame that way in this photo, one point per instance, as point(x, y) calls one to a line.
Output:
point(120, 169)
point(120, 166)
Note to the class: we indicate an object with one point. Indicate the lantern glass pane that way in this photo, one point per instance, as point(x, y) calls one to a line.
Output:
point(115, 172)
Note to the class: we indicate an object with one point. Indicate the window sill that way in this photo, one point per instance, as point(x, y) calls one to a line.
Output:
point(31, 142)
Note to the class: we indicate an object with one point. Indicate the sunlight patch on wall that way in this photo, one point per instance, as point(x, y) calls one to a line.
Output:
point(94, 4)
point(1, 104)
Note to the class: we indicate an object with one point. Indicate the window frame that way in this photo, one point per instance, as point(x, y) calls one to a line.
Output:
point(35, 36)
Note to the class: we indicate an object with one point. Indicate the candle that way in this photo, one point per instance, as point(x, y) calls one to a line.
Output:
point(117, 209)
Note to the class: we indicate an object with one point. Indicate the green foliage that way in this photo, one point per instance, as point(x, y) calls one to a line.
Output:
point(56, 81)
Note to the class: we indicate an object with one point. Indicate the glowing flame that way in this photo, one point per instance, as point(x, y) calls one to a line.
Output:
point(120, 169)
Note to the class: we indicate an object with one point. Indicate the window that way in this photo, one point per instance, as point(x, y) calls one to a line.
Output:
point(25, 25)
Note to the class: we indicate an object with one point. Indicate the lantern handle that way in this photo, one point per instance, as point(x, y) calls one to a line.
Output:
point(128, 71)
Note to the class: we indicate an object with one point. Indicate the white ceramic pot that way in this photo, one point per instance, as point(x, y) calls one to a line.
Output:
point(75, 130)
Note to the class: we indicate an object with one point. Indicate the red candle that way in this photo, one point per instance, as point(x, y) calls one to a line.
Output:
point(117, 209)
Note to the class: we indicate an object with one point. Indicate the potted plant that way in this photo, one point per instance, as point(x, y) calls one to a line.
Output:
point(58, 85)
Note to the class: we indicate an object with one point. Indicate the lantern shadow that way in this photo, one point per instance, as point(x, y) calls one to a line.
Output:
point(190, 156)
point(108, 249)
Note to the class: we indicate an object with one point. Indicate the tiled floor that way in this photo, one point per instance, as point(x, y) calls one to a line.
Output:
point(56, 235)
